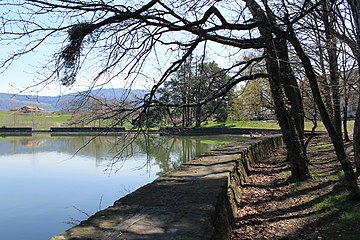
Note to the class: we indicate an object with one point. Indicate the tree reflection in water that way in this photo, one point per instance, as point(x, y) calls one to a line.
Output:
point(167, 152)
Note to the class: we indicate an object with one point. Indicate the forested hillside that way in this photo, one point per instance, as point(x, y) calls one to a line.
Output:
point(59, 103)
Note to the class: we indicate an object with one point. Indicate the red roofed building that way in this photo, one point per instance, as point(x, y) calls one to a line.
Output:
point(28, 109)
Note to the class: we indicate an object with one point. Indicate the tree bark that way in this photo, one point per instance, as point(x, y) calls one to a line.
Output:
point(356, 139)
point(290, 118)
point(328, 19)
point(355, 8)
point(290, 121)
point(334, 135)
point(346, 134)
point(345, 112)
point(324, 84)
point(198, 116)
point(292, 90)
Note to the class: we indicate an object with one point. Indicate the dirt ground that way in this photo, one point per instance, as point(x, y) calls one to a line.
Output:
point(273, 208)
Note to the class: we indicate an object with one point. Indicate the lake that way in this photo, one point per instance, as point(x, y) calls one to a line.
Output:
point(50, 183)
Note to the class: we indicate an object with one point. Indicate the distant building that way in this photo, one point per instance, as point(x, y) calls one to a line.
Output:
point(28, 109)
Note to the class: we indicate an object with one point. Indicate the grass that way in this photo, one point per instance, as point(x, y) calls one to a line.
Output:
point(243, 124)
point(340, 216)
point(322, 146)
point(339, 174)
point(331, 203)
point(216, 142)
point(34, 120)
point(59, 118)
point(47, 120)
point(346, 214)
point(270, 124)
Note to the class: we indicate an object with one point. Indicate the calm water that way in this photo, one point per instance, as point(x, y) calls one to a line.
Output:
point(48, 184)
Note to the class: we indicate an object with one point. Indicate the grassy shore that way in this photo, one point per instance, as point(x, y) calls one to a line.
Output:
point(272, 124)
point(42, 121)
point(321, 202)
point(271, 207)
point(35, 120)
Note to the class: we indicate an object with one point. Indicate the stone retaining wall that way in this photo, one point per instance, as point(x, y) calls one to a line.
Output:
point(87, 129)
point(215, 131)
point(198, 201)
point(15, 129)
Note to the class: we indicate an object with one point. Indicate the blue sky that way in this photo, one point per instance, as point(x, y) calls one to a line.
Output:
point(22, 74)
point(22, 77)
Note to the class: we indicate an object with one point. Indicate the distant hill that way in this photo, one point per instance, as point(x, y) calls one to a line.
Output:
point(57, 103)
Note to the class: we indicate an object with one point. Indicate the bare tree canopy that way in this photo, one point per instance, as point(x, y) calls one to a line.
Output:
point(134, 41)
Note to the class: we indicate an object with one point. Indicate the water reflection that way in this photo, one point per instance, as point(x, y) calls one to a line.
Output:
point(169, 152)
point(47, 182)
point(165, 151)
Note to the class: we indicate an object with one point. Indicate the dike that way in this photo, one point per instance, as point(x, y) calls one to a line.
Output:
point(15, 131)
point(87, 129)
point(198, 201)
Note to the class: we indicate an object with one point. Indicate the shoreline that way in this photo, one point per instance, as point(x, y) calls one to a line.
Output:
point(197, 201)
point(162, 131)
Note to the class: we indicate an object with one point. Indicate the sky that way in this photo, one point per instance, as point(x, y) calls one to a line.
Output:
point(22, 77)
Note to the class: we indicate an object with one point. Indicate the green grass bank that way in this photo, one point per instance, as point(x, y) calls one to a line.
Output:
point(43, 121)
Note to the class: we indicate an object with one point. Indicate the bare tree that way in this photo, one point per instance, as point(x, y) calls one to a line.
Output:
point(349, 16)
point(355, 46)
point(329, 18)
point(123, 37)
point(333, 133)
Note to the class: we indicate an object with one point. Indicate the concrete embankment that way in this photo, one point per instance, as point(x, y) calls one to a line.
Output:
point(56, 131)
point(86, 129)
point(64, 131)
point(198, 201)
point(215, 131)
point(15, 131)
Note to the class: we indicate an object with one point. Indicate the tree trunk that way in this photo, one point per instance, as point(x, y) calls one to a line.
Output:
point(346, 135)
point(357, 139)
point(295, 154)
point(324, 84)
point(183, 120)
point(329, 19)
point(292, 90)
point(280, 72)
point(334, 135)
point(355, 8)
point(198, 116)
